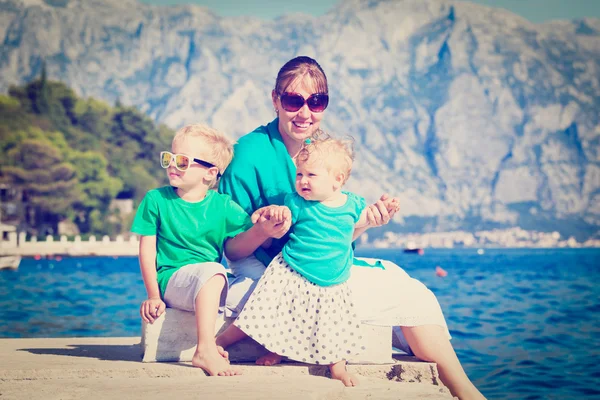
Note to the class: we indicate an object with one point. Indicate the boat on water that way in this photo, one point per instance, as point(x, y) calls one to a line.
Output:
point(10, 262)
point(415, 251)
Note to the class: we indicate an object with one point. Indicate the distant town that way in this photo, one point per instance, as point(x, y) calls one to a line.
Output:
point(509, 237)
point(18, 244)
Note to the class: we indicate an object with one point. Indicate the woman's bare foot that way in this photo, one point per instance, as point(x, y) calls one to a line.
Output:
point(339, 372)
point(269, 359)
point(213, 362)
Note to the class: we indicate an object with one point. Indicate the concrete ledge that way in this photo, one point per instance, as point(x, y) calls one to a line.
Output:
point(108, 368)
point(172, 337)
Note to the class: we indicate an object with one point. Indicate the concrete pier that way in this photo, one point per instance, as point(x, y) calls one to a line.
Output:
point(173, 337)
point(109, 368)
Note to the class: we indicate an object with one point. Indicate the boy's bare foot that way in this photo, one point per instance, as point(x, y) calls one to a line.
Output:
point(213, 363)
point(269, 359)
point(339, 372)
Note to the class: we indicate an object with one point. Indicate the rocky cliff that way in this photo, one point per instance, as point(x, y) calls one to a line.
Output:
point(474, 116)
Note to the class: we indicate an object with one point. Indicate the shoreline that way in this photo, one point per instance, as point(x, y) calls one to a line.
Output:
point(51, 252)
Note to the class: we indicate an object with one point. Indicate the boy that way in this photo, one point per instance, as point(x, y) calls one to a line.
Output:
point(184, 228)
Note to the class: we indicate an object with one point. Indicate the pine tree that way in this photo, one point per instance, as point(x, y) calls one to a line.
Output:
point(41, 92)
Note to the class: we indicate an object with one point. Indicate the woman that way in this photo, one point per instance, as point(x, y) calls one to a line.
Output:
point(263, 172)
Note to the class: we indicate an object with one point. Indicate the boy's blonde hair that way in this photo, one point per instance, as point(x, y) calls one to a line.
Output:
point(220, 148)
point(337, 155)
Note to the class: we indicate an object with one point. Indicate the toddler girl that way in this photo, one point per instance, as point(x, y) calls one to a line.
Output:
point(302, 307)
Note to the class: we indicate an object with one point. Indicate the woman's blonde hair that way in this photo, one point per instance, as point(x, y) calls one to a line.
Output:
point(219, 149)
point(337, 155)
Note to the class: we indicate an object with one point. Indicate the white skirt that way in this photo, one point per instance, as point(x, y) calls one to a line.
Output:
point(300, 320)
point(390, 297)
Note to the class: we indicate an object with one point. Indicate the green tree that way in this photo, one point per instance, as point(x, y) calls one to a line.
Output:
point(95, 118)
point(97, 187)
point(50, 99)
point(43, 74)
point(136, 143)
point(46, 180)
point(85, 154)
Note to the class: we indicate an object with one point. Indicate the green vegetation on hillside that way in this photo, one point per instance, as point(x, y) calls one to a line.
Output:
point(67, 158)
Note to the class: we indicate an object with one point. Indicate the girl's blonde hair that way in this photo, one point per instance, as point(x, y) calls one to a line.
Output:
point(337, 155)
point(220, 148)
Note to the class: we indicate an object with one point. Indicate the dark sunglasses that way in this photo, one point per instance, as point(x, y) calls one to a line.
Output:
point(182, 162)
point(292, 102)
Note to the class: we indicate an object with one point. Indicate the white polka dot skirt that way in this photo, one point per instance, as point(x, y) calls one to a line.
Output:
point(300, 320)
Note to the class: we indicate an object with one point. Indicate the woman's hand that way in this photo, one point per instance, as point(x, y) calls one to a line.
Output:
point(382, 211)
point(258, 213)
point(275, 221)
point(265, 212)
point(151, 309)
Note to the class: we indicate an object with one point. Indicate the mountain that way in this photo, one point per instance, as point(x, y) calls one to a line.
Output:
point(474, 116)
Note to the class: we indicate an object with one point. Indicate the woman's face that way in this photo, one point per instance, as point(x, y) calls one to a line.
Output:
point(301, 124)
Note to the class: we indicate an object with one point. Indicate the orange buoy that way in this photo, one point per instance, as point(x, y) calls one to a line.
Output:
point(439, 271)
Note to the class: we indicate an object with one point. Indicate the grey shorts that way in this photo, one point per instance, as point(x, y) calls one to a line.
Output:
point(186, 282)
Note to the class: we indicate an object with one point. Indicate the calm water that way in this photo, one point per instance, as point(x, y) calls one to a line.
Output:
point(525, 323)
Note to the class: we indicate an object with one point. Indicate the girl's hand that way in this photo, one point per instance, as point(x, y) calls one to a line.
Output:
point(281, 229)
point(392, 206)
point(280, 214)
point(151, 309)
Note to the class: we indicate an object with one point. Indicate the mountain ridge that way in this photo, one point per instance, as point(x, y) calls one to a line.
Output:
point(474, 116)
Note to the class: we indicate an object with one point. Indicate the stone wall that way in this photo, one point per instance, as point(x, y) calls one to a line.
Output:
point(17, 244)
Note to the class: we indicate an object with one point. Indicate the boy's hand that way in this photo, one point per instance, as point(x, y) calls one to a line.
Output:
point(151, 309)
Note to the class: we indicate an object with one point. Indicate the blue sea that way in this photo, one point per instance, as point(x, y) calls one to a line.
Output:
point(525, 322)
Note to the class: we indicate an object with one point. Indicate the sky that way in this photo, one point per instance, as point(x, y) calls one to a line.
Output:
point(533, 10)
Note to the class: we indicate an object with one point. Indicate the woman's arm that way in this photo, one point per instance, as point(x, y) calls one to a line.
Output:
point(245, 243)
point(269, 222)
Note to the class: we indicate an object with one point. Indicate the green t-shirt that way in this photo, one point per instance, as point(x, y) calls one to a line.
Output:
point(262, 173)
point(187, 233)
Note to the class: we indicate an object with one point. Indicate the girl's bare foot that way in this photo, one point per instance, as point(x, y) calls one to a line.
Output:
point(224, 353)
point(213, 362)
point(339, 372)
point(269, 359)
